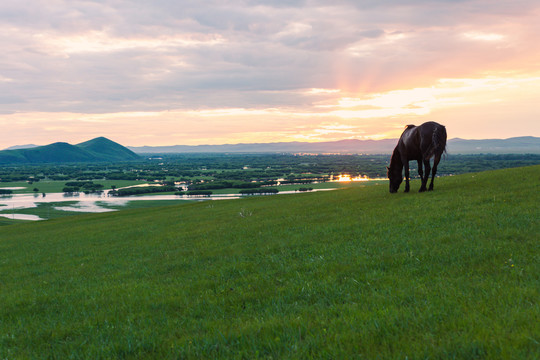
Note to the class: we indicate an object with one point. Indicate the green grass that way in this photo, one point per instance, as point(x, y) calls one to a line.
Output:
point(49, 210)
point(141, 204)
point(46, 186)
point(6, 221)
point(45, 210)
point(325, 185)
point(354, 273)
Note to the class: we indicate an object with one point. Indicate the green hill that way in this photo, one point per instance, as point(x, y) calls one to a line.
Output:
point(354, 273)
point(95, 150)
point(105, 148)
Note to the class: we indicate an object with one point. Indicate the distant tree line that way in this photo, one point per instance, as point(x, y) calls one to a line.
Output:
point(85, 186)
point(142, 190)
point(262, 191)
point(198, 193)
point(233, 169)
point(213, 185)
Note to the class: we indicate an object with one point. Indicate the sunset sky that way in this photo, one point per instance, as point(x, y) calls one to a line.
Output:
point(167, 72)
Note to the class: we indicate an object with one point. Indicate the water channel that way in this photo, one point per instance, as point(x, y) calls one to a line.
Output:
point(92, 202)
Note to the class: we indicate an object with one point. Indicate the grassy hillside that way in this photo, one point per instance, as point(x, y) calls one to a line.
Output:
point(355, 273)
point(98, 149)
point(105, 149)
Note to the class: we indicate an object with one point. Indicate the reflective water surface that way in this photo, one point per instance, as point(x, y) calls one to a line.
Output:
point(22, 217)
point(92, 202)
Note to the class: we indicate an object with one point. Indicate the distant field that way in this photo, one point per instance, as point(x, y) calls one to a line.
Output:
point(140, 204)
point(62, 208)
point(57, 186)
point(54, 210)
point(353, 273)
point(322, 185)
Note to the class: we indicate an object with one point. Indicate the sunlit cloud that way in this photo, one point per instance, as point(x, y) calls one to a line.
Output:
point(422, 101)
point(236, 112)
point(322, 91)
point(343, 117)
point(295, 29)
point(331, 130)
point(367, 47)
point(101, 41)
point(168, 72)
point(483, 36)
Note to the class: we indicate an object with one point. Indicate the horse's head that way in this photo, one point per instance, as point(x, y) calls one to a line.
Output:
point(395, 176)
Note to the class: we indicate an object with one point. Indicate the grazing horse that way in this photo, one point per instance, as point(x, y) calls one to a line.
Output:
point(419, 143)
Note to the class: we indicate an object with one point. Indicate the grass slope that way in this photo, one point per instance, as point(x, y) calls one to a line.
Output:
point(354, 273)
point(57, 152)
point(98, 149)
point(107, 150)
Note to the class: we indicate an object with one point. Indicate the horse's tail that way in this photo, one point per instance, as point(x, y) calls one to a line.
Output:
point(438, 141)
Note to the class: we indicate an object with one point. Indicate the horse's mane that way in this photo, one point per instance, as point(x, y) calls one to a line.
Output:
point(410, 126)
point(395, 160)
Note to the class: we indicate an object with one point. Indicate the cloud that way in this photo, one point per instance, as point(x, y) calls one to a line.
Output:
point(110, 57)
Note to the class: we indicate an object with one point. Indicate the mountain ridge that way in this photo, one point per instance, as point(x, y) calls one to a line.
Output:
point(522, 144)
point(99, 149)
point(19, 147)
point(103, 149)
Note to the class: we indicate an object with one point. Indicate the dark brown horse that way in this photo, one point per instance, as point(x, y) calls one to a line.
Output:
point(420, 143)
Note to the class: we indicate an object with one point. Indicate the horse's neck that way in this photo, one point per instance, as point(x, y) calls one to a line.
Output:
point(395, 160)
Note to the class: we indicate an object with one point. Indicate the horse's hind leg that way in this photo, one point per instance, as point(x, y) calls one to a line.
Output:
point(420, 170)
point(435, 163)
point(426, 176)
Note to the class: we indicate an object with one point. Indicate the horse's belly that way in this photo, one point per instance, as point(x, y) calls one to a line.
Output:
point(415, 155)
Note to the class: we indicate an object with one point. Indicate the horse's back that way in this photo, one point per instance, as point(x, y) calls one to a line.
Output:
point(432, 138)
point(430, 127)
point(423, 141)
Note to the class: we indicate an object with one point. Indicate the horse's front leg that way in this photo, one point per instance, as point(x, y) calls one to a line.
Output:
point(407, 187)
point(426, 177)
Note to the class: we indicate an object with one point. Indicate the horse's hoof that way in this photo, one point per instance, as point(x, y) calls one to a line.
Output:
point(422, 190)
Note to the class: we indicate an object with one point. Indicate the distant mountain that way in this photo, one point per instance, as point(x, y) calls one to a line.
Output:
point(516, 145)
point(96, 150)
point(102, 147)
point(16, 147)
point(341, 146)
